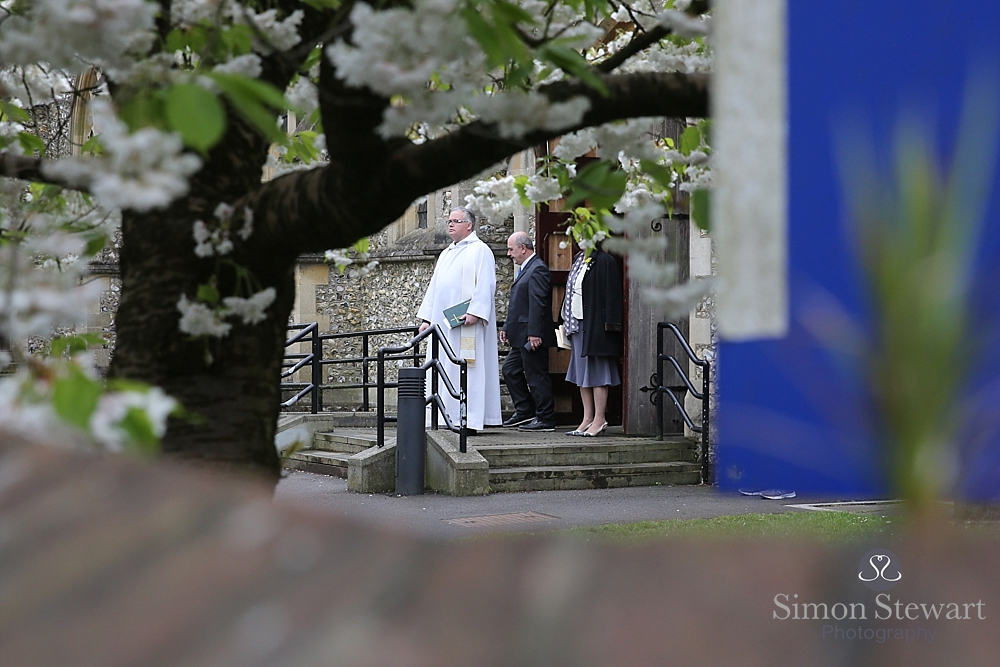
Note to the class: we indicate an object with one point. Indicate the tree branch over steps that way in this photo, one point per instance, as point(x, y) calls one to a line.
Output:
point(358, 193)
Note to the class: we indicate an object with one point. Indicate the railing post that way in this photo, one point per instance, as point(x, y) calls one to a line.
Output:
point(463, 407)
point(380, 399)
point(317, 371)
point(706, 466)
point(659, 382)
point(410, 435)
point(364, 373)
point(434, 380)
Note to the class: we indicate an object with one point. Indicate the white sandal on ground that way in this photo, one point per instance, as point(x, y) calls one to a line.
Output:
point(588, 434)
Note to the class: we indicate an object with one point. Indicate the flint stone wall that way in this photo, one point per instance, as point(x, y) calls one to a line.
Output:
point(388, 297)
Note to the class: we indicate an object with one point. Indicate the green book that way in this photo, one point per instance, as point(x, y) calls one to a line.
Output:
point(453, 315)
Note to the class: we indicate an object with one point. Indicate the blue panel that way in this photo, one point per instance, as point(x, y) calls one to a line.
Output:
point(793, 413)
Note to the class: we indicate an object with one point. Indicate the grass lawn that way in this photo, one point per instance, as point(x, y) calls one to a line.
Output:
point(828, 527)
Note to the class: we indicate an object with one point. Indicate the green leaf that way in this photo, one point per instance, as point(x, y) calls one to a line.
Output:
point(140, 431)
point(193, 38)
point(517, 76)
point(573, 63)
point(511, 14)
point(13, 113)
point(705, 127)
point(313, 59)
point(144, 109)
point(258, 102)
point(600, 184)
point(124, 384)
point(195, 114)
point(93, 145)
point(235, 40)
point(521, 185)
point(30, 143)
point(660, 173)
point(75, 343)
point(483, 33)
point(690, 140)
point(701, 209)
point(75, 397)
point(208, 294)
point(323, 4)
point(95, 244)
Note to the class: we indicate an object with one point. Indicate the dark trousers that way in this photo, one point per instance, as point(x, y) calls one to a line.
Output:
point(527, 377)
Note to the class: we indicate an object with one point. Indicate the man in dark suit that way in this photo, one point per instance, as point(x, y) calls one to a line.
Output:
point(530, 332)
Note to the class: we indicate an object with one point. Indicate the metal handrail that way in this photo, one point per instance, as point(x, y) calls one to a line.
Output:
point(309, 332)
point(433, 364)
point(704, 395)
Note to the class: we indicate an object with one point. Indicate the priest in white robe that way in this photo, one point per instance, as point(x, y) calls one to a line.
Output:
point(466, 270)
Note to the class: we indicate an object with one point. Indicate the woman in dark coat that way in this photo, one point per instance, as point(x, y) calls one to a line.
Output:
point(592, 320)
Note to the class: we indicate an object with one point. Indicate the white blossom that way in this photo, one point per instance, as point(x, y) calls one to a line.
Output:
point(142, 171)
point(495, 198)
point(698, 177)
point(397, 50)
point(24, 410)
point(338, 257)
point(33, 84)
point(277, 35)
point(248, 64)
point(542, 188)
point(303, 95)
point(211, 241)
point(37, 298)
point(250, 310)
point(112, 34)
point(189, 12)
point(684, 25)
point(223, 211)
point(631, 137)
point(518, 113)
point(572, 146)
point(197, 319)
point(358, 271)
point(113, 407)
point(9, 142)
point(247, 229)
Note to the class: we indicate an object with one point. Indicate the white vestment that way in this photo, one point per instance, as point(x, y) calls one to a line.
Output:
point(467, 270)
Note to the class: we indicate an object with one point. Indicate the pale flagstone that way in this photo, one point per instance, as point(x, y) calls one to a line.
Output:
point(750, 141)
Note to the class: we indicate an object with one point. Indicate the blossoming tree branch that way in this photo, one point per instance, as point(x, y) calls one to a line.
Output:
point(398, 99)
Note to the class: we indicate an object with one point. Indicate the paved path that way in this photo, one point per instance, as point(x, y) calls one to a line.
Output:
point(430, 514)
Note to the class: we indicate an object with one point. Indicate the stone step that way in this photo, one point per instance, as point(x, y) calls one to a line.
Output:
point(589, 452)
point(324, 463)
point(549, 478)
point(344, 441)
point(357, 419)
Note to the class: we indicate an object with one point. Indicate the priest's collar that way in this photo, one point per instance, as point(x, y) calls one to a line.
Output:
point(471, 238)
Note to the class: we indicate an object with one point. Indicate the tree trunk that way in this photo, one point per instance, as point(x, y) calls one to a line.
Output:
point(229, 386)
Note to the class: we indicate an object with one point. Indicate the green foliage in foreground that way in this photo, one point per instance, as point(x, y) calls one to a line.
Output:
point(826, 527)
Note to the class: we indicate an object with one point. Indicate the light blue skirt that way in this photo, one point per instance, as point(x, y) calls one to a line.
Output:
point(591, 371)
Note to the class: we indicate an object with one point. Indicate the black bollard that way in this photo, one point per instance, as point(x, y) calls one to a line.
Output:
point(410, 432)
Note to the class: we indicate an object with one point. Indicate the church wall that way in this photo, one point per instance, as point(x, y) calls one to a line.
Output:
point(390, 295)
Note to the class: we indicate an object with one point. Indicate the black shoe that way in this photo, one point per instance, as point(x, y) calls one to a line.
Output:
point(535, 425)
point(517, 420)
